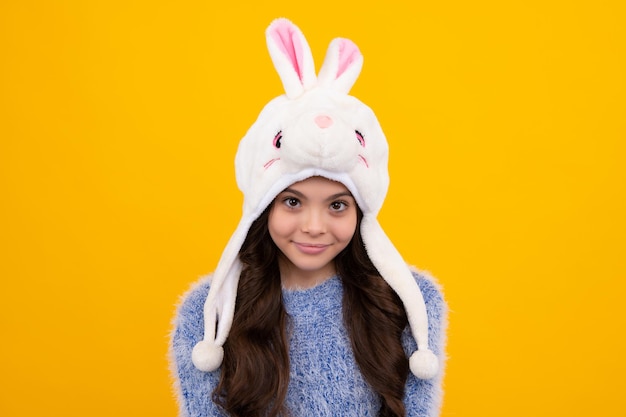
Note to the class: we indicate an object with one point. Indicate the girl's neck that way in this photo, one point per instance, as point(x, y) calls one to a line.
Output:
point(297, 279)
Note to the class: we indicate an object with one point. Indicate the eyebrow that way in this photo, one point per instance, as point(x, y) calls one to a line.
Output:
point(332, 197)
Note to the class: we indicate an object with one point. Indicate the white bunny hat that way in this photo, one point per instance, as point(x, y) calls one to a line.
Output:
point(314, 129)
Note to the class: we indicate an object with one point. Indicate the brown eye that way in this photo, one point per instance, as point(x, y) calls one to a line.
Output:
point(291, 202)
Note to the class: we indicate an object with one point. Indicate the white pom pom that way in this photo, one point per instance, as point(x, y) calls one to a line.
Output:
point(424, 364)
point(207, 356)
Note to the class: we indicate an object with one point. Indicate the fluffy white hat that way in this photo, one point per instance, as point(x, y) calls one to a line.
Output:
point(314, 129)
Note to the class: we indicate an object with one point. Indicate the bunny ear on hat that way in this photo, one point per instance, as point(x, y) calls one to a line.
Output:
point(342, 65)
point(292, 58)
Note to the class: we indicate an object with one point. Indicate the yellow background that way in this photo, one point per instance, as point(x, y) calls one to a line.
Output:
point(119, 121)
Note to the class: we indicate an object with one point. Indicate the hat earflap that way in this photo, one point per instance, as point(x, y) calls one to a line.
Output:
point(423, 363)
point(219, 307)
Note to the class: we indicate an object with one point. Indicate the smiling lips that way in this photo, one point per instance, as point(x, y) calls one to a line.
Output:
point(311, 248)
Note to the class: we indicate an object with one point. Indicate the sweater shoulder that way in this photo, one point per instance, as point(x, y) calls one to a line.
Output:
point(192, 388)
point(423, 398)
point(191, 302)
point(431, 289)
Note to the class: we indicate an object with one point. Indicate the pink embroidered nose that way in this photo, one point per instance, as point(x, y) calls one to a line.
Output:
point(323, 121)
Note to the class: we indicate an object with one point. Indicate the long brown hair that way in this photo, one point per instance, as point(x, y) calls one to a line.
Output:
point(255, 371)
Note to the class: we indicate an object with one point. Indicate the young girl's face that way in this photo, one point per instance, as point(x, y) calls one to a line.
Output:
point(311, 222)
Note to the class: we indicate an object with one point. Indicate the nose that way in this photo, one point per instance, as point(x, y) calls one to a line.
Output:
point(313, 223)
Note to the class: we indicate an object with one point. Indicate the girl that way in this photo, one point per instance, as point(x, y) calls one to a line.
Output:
point(311, 310)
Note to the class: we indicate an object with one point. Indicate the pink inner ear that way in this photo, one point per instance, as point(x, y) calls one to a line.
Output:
point(348, 53)
point(287, 39)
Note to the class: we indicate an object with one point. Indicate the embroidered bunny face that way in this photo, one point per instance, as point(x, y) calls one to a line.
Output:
point(322, 132)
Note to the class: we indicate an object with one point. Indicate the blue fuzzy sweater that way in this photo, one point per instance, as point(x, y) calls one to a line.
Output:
point(325, 379)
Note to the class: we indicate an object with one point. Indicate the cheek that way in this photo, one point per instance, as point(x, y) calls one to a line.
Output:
point(347, 228)
point(277, 224)
point(272, 223)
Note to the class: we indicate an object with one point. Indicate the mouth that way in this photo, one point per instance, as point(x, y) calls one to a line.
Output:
point(311, 248)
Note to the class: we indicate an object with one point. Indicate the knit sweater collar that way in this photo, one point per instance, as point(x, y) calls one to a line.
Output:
point(323, 298)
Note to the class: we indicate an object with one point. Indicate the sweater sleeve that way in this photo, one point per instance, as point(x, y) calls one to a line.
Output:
point(423, 397)
point(193, 387)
